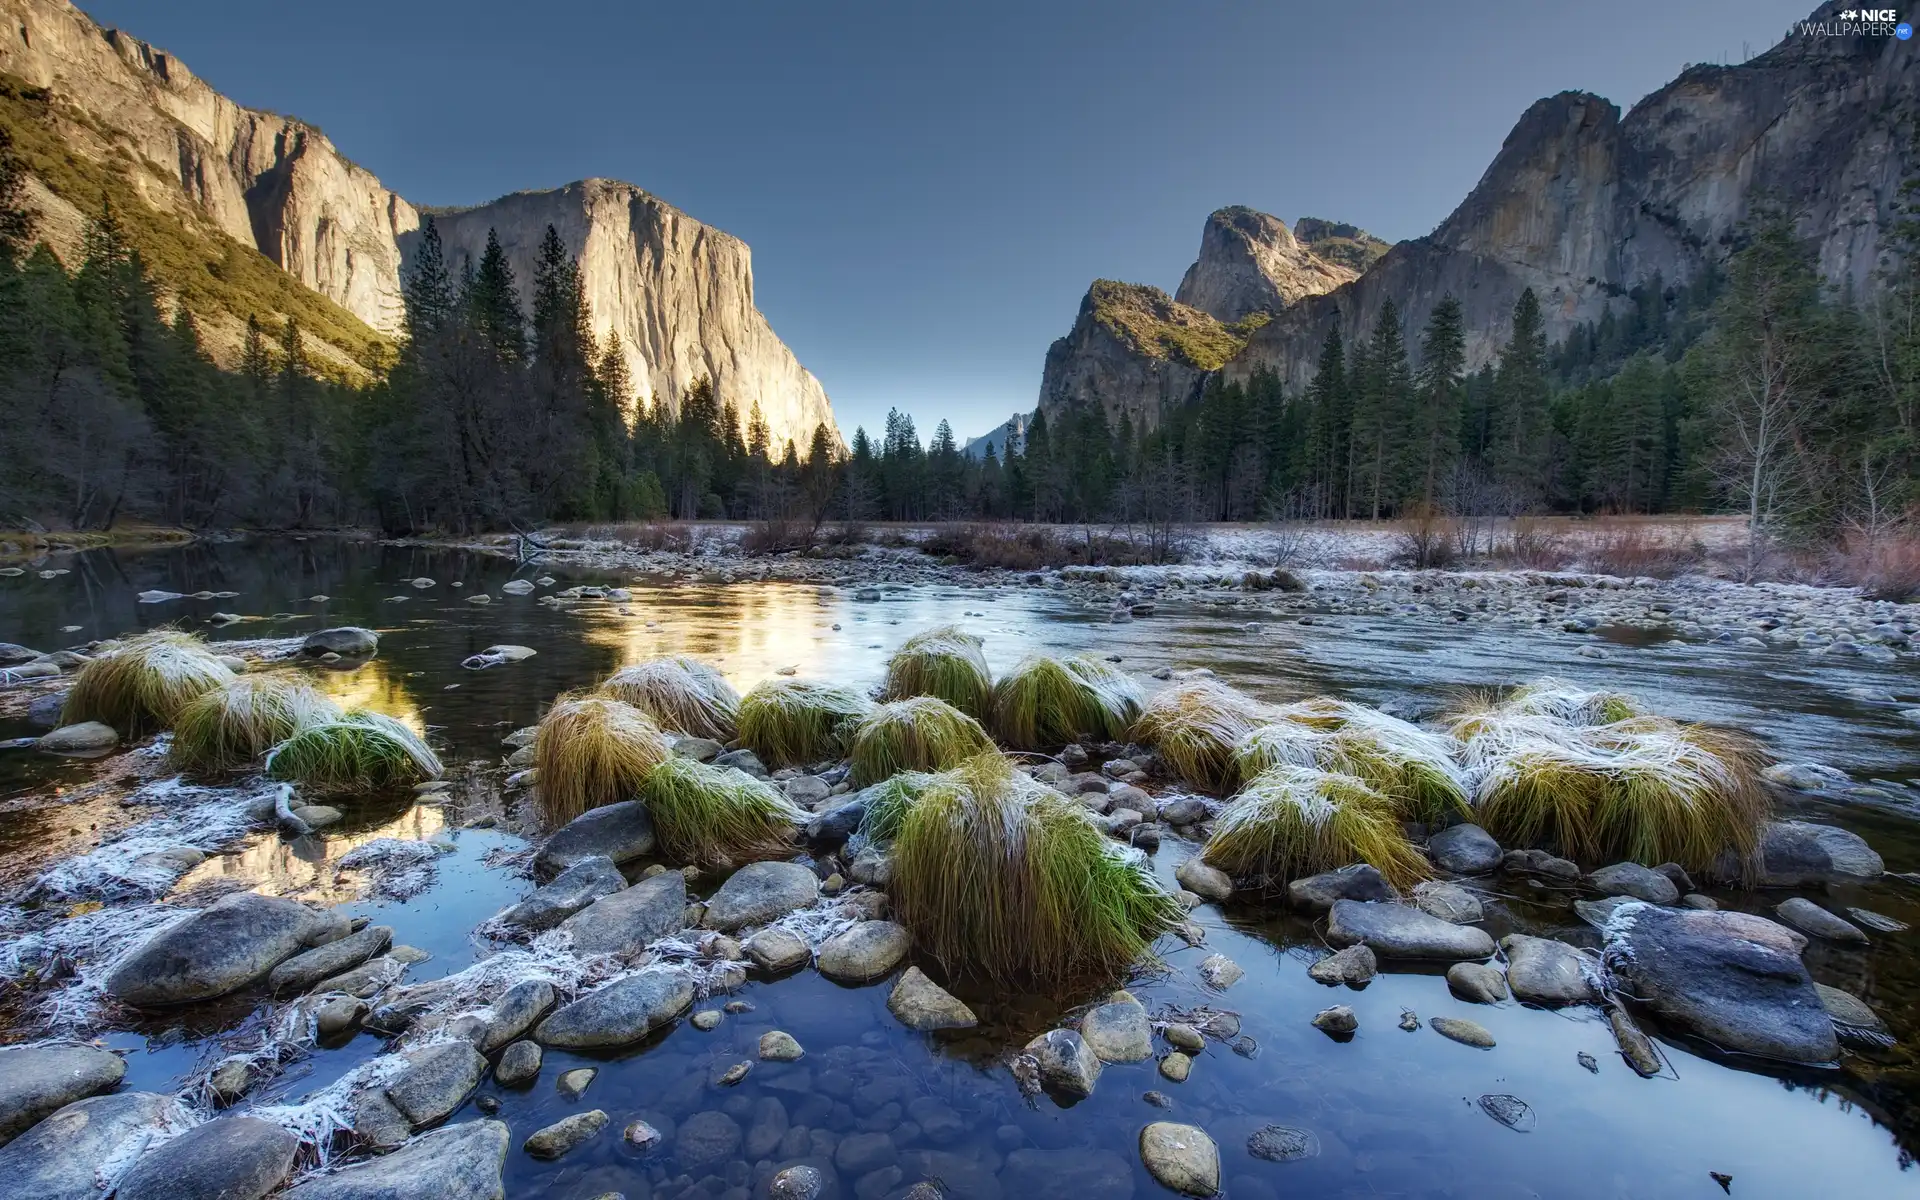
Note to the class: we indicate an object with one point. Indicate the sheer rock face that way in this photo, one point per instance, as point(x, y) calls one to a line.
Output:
point(1250, 262)
point(679, 294)
point(1100, 363)
point(1582, 203)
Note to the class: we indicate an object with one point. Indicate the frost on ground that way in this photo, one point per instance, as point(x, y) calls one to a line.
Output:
point(396, 869)
point(78, 954)
point(136, 863)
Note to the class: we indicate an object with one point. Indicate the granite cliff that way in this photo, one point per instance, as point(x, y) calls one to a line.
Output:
point(1250, 262)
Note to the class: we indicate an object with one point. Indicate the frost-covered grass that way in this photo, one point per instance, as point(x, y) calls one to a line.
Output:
point(361, 749)
point(946, 663)
point(792, 722)
point(1293, 821)
point(717, 815)
point(124, 865)
point(1046, 702)
point(229, 727)
point(920, 733)
point(1417, 769)
point(590, 751)
point(141, 683)
point(681, 694)
point(1196, 725)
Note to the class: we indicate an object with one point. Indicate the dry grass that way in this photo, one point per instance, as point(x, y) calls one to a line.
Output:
point(1634, 549)
point(1047, 702)
point(590, 751)
point(229, 727)
point(717, 816)
point(360, 750)
point(681, 694)
point(141, 683)
point(917, 734)
point(945, 663)
point(1293, 821)
point(792, 722)
point(1196, 725)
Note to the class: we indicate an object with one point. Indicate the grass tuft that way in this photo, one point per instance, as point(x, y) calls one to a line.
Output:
point(1293, 821)
point(920, 733)
point(888, 802)
point(231, 726)
point(681, 694)
point(1047, 702)
point(717, 816)
point(792, 722)
point(1001, 877)
point(590, 751)
point(1196, 725)
point(141, 683)
point(945, 663)
point(361, 749)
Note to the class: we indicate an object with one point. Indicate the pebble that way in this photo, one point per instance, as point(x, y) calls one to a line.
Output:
point(564, 1135)
point(1459, 1029)
point(707, 1020)
point(1337, 1020)
point(778, 1046)
point(574, 1083)
point(1176, 1066)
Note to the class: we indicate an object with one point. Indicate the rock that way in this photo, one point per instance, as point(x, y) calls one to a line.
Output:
point(572, 890)
point(1186, 1037)
point(1083, 1173)
point(37, 669)
point(514, 1013)
point(461, 1162)
point(12, 654)
point(519, 1064)
point(435, 1081)
point(836, 825)
point(1220, 972)
point(806, 790)
point(44, 712)
point(867, 951)
point(1316, 893)
point(319, 816)
point(698, 749)
point(1448, 901)
point(1282, 1143)
point(348, 641)
point(564, 1135)
point(733, 1074)
point(1181, 1157)
point(642, 1136)
point(37, 1080)
point(1400, 931)
point(1176, 1066)
point(1732, 978)
point(1853, 1016)
point(1543, 971)
point(517, 587)
point(302, 971)
point(1809, 918)
point(1797, 853)
point(88, 737)
point(229, 1081)
point(621, 1012)
point(574, 1084)
point(707, 1020)
point(1636, 1047)
point(626, 921)
point(1459, 1029)
point(338, 1015)
point(1477, 983)
point(228, 1158)
point(620, 832)
point(920, 1003)
point(742, 760)
point(365, 980)
point(706, 1139)
point(802, 1182)
point(872, 867)
point(1696, 900)
point(860, 1153)
point(377, 1124)
point(55, 1159)
point(778, 1046)
point(1119, 1031)
point(761, 892)
point(1208, 882)
point(1067, 1064)
point(1632, 879)
point(776, 950)
point(1338, 1020)
point(1539, 862)
point(232, 943)
point(1465, 850)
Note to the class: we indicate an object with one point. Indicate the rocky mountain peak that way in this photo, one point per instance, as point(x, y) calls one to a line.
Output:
point(1251, 262)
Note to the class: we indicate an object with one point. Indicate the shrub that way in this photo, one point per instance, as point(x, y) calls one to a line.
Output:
point(1046, 702)
point(231, 726)
point(681, 694)
point(361, 749)
point(1632, 549)
point(945, 663)
point(1195, 725)
point(716, 815)
point(590, 751)
point(790, 722)
point(1293, 821)
point(141, 684)
point(920, 733)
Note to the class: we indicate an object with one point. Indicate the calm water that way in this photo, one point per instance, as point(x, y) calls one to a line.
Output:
point(1394, 1113)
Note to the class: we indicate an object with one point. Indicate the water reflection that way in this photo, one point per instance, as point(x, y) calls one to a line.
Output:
point(307, 868)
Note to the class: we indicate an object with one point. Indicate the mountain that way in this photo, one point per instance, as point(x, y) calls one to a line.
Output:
point(1013, 429)
point(1250, 262)
point(240, 212)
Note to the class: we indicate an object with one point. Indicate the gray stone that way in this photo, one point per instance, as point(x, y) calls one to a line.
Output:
point(920, 1003)
point(777, 950)
point(619, 832)
point(55, 1159)
point(1118, 1031)
point(1338, 1020)
point(565, 1134)
point(1282, 1143)
point(1632, 879)
point(1465, 850)
point(1543, 971)
point(1850, 1013)
point(1176, 1066)
point(860, 1153)
point(337, 1015)
point(1082, 1173)
point(806, 790)
point(88, 737)
point(1448, 901)
point(1186, 1037)
point(515, 1012)
point(706, 1139)
point(377, 1124)
point(37, 1080)
point(574, 1084)
point(234, 942)
point(435, 1081)
point(1797, 853)
point(230, 1158)
point(621, 1012)
point(1636, 1047)
point(1459, 1029)
point(1210, 883)
point(572, 890)
point(1181, 1157)
point(742, 760)
point(801, 1182)
point(302, 971)
point(707, 1020)
point(1731, 978)
point(461, 1162)
point(866, 951)
point(12, 654)
point(837, 824)
point(1400, 931)
point(1220, 972)
point(779, 1046)
point(319, 816)
point(761, 892)
point(519, 1064)
point(626, 921)
point(1361, 881)
point(872, 866)
point(1809, 918)
point(1186, 810)
point(698, 749)
point(1067, 1064)
point(348, 641)
point(365, 980)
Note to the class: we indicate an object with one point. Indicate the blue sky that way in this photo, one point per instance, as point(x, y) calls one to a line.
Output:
point(929, 188)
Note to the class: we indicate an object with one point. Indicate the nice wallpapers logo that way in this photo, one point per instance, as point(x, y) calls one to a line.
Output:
point(1859, 22)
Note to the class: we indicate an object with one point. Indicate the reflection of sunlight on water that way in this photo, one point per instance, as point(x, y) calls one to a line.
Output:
point(749, 633)
point(377, 685)
point(305, 866)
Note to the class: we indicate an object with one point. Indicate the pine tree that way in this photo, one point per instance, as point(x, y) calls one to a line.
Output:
point(1517, 441)
point(428, 288)
point(493, 304)
point(1382, 393)
point(1433, 428)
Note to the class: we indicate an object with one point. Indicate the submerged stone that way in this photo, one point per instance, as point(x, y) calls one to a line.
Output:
point(566, 1134)
point(1067, 1064)
point(920, 1003)
point(1459, 1029)
point(1119, 1031)
point(1181, 1157)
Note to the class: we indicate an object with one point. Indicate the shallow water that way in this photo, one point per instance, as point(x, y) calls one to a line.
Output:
point(1394, 1113)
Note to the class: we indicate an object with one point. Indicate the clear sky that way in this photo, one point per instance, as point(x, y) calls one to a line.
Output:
point(929, 188)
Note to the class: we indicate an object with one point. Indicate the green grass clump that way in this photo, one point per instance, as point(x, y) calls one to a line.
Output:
point(231, 726)
point(141, 683)
point(945, 663)
point(1293, 821)
point(361, 749)
point(1000, 877)
point(1196, 725)
point(681, 694)
point(1046, 702)
point(590, 751)
point(920, 733)
point(888, 802)
point(717, 816)
point(791, 722)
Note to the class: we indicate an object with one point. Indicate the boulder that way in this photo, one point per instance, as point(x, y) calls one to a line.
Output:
point(1181, 1157)
point(706, 1139)
point(435, 1081)
point(1340, 1020)
point(621, 1012)
point(1798, 853)
point(626, 921)
point(837, 824)
point(88, 737)
point(461, 1162)
point(56, 1159)
point(519, 1064)
point(1400, 931)
point(1448, 901)
point(232, 943)
point(1809, 918)
point(12, 654)
point(620, 832)
point(1067, 1064)
point(1632, 879)
point(761, 892)
point(563, 1135)
point(1465, 850)
point(1459, 1029)
point(805, 790)
point(1476, 983)
point(1355, 966)
point(572, 890)
point(1361, 881)
point(742, 760)
point(698, 749)
point(348, 641)
point(920, 1003)
point(867, 951)
point(515, 1012)
point(37, 1080)
point(229, 1158)
point(302, 971)
point(1543, 971)
point(776, 950)
point(1209, 883)
point(1119, 1031)
point(1731, 978)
